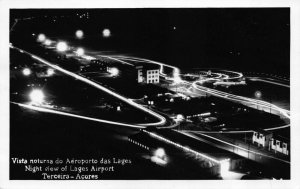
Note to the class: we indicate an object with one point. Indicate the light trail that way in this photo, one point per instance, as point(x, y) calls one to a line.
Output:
point(266, 81)
point(241, 99)
point(96, 85)
point(47, 110)
point(183, 147)
point(240, 131)
point(229, 96)
point(230, 144)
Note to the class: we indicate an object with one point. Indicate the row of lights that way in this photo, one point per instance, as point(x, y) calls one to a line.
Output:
point(79, 35)
point(36, 95)
point(224, 164)
point(105, 33)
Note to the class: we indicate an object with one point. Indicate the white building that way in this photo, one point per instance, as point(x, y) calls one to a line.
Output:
point(261, 138)
point(279, 144)
point(148, 74)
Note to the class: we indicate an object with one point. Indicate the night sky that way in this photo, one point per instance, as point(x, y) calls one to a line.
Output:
point(242, 39)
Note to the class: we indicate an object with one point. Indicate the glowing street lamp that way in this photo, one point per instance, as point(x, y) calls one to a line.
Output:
point(47, 42)
point(106, 33)
point(160, 153)
point(37, 96)
point(41, 37)
point(26, 71)
point(113, 71)
point(61, 46)
point(80, 51)
point(79, 34)
point(50, 72)
point(258, 94)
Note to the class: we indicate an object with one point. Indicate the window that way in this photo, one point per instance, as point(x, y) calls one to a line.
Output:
point(277, 143)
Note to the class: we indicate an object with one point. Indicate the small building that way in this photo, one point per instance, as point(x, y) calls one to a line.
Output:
point(261, 137)
point(148, 73)
point(279, 144)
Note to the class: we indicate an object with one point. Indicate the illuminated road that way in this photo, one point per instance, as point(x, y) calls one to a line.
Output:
point(196, 85)
point(236, 146)
point(241, 99)
point(224, 95)
point(83, 79)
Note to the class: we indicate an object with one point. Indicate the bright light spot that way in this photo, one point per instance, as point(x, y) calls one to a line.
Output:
point(41, 37)
point(158, 161)
point(79, 34)
point(106, 33)
point(61, 46)
point(224, 169)
point(50, 72)
point(37, 96)
point(177, 80)
point(80, 51)
point(258, 94)
point(160, 153)
point(113, 71)
point(26, 71)
point(179, 117)
point(159, 157)
point(174, 28)
point(48, 42)
point(176, 76)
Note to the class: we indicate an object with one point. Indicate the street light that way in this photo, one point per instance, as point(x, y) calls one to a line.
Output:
point(37, 96)
point(61, 46)
point(106, 33)
point(113, 71)
point(80, 51)
point(47, 42)
point(41, 37)
point(50, 72)
point(26, 71)
point(257, 95)
point(79, 34)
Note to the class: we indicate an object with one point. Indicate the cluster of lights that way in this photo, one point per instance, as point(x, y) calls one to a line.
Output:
point(42, 39)
point(180, 146)
point(224, 164)
point(37, 97)
point(113, 71)
point(85, 15)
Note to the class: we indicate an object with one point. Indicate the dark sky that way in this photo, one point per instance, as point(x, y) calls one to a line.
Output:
point(234, 38)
